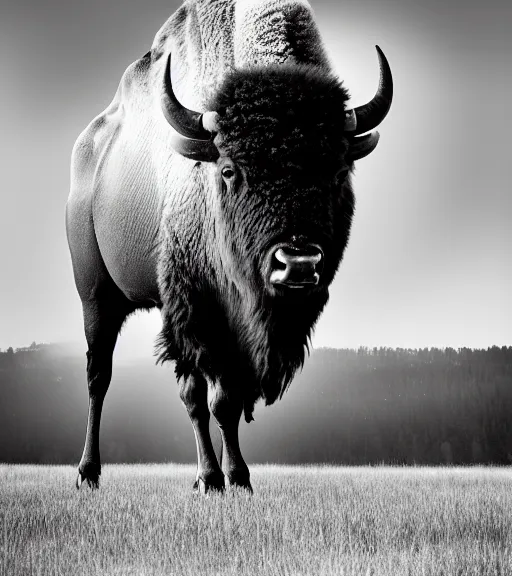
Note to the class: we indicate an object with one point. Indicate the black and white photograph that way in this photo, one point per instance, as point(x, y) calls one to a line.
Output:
point(256, 288)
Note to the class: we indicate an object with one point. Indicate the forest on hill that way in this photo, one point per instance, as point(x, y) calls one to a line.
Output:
point(382, 405)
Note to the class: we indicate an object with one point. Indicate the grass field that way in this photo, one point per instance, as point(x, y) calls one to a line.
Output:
point(145, 520)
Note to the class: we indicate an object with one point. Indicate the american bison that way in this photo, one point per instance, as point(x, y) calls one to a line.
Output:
point(231, 220)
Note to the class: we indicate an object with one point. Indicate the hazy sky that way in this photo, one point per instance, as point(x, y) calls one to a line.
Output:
point(428, 262)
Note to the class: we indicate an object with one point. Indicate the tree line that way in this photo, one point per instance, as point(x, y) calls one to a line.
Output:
point(366, 406)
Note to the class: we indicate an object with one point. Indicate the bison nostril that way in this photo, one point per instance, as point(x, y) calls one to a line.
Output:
point(278, 264)
point(296, 267)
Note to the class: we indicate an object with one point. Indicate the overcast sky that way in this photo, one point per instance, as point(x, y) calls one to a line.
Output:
point(428, 262)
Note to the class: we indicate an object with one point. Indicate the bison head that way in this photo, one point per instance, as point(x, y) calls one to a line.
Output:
point(282, 145)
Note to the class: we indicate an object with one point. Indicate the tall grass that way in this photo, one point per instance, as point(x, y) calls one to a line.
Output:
point(145, 520)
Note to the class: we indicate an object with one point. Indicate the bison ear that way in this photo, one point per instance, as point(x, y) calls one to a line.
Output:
point(193, 132)
point(198, 150)
point(361, 146)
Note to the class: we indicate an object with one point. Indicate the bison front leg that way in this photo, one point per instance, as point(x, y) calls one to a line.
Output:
point(102, 320)
point(194, 395)
point(226, 405)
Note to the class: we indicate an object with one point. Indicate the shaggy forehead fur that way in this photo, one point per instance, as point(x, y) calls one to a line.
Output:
point(283, 119)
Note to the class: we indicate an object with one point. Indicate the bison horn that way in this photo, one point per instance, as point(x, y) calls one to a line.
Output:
point(193, 138)
point(365, 118)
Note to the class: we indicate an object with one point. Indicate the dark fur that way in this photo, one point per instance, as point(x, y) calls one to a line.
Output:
point(283, 129)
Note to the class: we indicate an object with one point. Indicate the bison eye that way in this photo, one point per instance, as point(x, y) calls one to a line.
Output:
point(228, 173)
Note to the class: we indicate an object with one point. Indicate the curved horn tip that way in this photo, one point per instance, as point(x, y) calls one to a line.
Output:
point(380, 53)
point(382, 57)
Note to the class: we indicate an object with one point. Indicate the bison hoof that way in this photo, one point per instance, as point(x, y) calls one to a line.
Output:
point(89, 473)
point(240, 479)
point(212, 483)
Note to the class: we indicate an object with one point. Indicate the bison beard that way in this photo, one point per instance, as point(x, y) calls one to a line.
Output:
point(262, 355)
point(275, 122)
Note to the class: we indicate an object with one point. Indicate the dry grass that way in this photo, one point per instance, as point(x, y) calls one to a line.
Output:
point(145, 520)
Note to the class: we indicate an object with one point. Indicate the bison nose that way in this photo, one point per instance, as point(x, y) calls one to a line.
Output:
point(296, 268)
